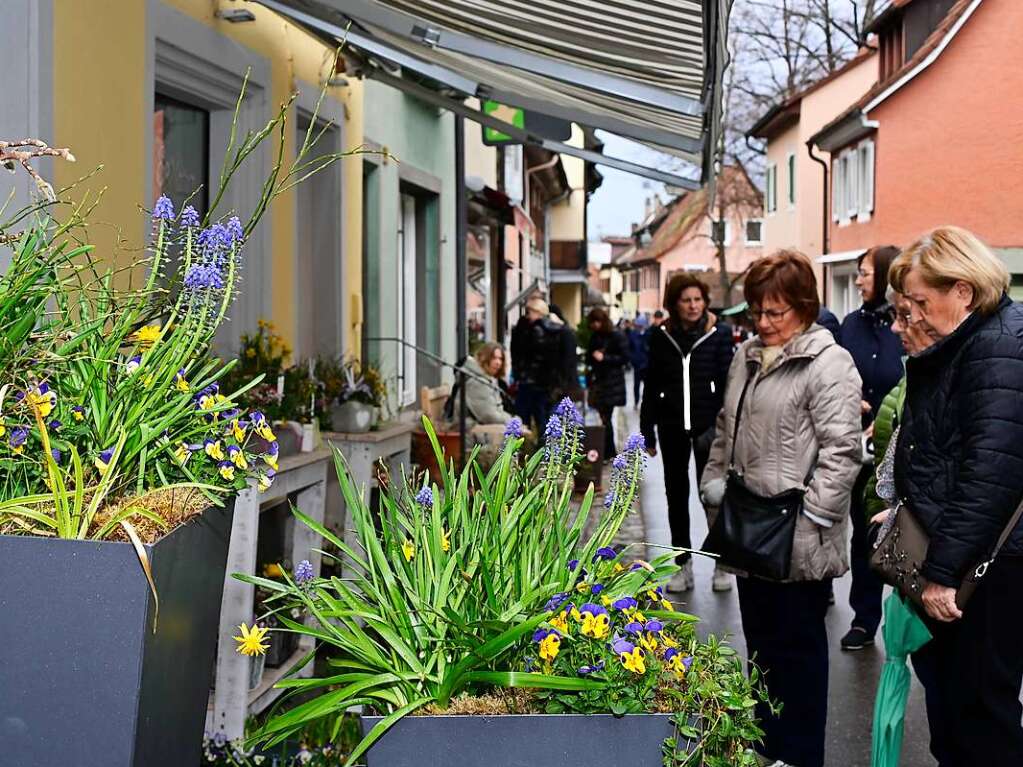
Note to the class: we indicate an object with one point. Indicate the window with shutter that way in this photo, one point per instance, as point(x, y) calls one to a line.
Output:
point(838, 189)
point(852, 185)
point(866, 174)
point(791, 180)
point(754, 232)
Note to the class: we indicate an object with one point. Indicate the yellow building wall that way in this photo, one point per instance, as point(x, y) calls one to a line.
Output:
point(100, 96)
point(568, 218)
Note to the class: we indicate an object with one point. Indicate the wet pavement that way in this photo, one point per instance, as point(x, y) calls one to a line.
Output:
point(853, 676)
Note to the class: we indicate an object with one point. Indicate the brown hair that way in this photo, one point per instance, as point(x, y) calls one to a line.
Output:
point(787, 276)
point(600, 318)
point(947, 255)
point(486, 353)
point(677, 285)
point(882, 256)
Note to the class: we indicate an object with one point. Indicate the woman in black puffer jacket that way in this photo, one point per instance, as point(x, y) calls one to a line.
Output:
point(685, 383)
point(606, 356)
point(959, 471)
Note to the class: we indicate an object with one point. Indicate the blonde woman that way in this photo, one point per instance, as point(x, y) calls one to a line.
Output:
point(959, 471)
point(483, 396)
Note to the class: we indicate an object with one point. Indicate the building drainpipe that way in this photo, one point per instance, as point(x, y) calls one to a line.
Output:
point(461, 231)
point(826, 218)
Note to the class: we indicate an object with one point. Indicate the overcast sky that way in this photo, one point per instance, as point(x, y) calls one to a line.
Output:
point(618, 203)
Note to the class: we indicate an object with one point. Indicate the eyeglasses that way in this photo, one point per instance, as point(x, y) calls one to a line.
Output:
point(771, 315)
point(863, 274)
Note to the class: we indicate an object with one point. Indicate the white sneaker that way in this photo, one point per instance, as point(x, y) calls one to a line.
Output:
point(683, 579)
point(722, 580)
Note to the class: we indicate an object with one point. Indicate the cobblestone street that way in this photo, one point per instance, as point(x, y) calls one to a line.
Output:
point(854, 676)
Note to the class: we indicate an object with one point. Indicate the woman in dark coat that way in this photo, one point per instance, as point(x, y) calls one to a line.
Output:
point(606, 357)
point(959, 472)
point(687, 368)
point(867, 335)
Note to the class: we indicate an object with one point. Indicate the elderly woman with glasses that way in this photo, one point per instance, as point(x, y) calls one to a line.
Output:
point(959, 471)
point(799, 429)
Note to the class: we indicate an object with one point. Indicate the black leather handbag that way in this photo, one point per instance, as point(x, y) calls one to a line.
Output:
point(752, 532)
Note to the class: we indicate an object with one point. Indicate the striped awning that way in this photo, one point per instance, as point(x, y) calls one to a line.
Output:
point(649, 70)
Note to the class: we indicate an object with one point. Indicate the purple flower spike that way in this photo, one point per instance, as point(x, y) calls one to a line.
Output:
point(189, 217)
point(56, 455)
point(235, 231)
point(425, 498)
point(303, 571)
point(164, 209)
point(567, 410)
point(635, 442)
point(513, 429)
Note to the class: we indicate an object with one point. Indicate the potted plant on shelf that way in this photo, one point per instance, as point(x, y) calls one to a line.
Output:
point(359, 398)
point(485, 597)
point(120, 452)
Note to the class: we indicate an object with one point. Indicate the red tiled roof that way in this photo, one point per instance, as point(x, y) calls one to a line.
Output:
point(929, 45)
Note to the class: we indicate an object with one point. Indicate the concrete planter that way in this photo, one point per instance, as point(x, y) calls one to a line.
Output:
point(352, 417)
point(521, 740)
point(84, 678)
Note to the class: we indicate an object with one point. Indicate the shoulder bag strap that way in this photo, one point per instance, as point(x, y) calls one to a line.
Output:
point(1002, 539)
point(738, 413)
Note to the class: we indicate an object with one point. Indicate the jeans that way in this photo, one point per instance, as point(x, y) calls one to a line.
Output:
point(675, 447)
point(637, 384)
point(866, 590)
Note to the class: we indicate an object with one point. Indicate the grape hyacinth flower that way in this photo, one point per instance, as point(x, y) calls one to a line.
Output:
point(562, 439)
point(626, 471)
point(425, 498)
point(303, 572)
point(189, 217)
point(164, 209)
point(513, 429)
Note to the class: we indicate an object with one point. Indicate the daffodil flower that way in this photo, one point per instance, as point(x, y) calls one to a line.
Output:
point(408, 549)
point(445, 541)
point(251, 640)
point(145, 336)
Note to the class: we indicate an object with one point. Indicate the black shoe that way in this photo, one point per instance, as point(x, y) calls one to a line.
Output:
point(857, 639)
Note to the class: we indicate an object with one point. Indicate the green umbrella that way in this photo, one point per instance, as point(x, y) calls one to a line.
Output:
point(903, 634)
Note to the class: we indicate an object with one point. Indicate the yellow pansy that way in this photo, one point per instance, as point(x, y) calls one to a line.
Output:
point(237, 457)
point(214, 449)
point(560, 622)
point(182, 453)
point(226, 469)
point(649, 642)
point(596, 626)
point(445, 540)
point(549, 646)
point(251, 641)
point(408, 549)
point(264, 482)
point(668, 642)
point(273, 570)
point(237, 430)
point(634, 661)
point(42, 399)
point(3, 426)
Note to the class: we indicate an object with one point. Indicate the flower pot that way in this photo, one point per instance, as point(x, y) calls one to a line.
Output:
point(352, 417)
point(521, 740)
point(85, 679)
point(282, 646)
point(256, 665)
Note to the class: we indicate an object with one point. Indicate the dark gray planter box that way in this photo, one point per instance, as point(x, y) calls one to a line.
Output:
point(521, 740)
point(84, 681)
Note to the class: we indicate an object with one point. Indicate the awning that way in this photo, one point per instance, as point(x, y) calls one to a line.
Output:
point(841, 257)
point(649, 70)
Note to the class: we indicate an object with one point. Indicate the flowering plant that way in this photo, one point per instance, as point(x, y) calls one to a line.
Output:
point(110, 397)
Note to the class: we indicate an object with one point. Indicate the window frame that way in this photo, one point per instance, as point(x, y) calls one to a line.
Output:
point(760, 240)
point(771, 192)
point(790, 167)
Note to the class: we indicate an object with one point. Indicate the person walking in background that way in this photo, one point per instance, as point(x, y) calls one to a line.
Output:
point(536, 362)
point(867, 335)
point(606, 357)
point(959, 471)
point(638, 354)
point(800, 428)
point(688, 360)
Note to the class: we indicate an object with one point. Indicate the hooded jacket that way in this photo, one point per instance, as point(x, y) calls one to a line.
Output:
point(685, 388)
point(959, 458)
point(801, 417)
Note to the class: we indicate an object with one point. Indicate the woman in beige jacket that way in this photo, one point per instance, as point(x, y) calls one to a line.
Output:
point(801, 417)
